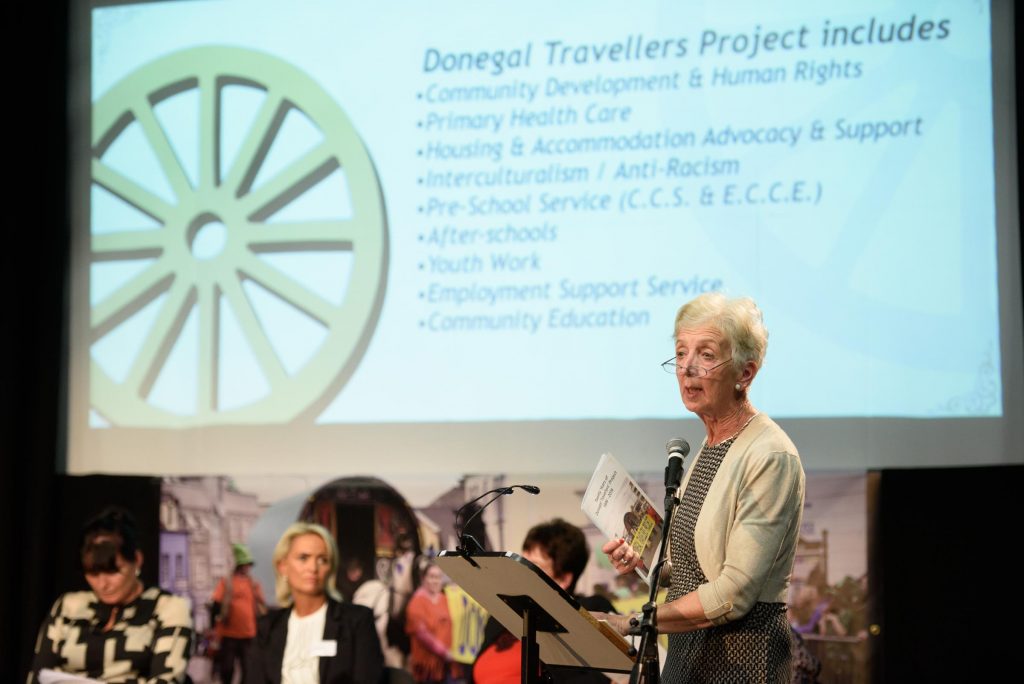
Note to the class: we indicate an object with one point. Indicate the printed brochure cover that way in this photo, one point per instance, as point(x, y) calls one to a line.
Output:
point(616, 504)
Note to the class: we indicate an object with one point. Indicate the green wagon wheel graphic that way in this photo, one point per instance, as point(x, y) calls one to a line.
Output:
point(181, 284)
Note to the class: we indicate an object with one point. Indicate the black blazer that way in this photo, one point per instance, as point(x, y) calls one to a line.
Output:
point(359, 659)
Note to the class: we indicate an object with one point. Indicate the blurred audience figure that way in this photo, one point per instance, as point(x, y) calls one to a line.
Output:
point(375, 595)
point(237, 602)
point(429, 625)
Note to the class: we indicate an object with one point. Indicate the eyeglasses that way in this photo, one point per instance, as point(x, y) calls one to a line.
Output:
point(671, 366)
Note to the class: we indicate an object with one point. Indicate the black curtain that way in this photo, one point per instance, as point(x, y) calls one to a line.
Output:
point(35, 258)
point(945, 582)
point(79, 498)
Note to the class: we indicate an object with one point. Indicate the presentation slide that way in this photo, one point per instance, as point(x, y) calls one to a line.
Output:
point(306, 224)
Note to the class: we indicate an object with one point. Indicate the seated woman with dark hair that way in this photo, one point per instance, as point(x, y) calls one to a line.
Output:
point(559, 549)
point(120, 631)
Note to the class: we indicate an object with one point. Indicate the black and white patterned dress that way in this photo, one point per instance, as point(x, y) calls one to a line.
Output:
point(754, 649)
point(150, 639)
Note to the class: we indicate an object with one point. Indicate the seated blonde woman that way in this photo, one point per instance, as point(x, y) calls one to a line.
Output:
point(314, 638)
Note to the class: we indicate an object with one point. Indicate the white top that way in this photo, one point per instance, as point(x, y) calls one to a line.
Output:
point(301, 664)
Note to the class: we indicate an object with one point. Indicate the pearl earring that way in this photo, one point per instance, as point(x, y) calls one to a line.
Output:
point(739, 387)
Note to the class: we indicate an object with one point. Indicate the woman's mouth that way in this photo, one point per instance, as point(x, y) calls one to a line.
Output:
point(690, 392)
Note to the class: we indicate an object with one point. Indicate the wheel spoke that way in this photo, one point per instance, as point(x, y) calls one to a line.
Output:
point(130, 191)
point(287, 289)
point(128, 244)
point(160, 339)
point(253, 331)
point(209, 348)
point(295, 179)
point(161, 146)
point(131, 297)
point(303, 236)
point(256, 144)
point(209, 132)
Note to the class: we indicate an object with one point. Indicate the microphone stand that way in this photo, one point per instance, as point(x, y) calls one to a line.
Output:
point(647, 667)
point(468, 545)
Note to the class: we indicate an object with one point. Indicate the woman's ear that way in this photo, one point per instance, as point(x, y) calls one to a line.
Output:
point(749, 372)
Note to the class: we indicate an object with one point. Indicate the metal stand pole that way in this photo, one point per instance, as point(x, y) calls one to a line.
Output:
point(647, 668)
point(530, 659)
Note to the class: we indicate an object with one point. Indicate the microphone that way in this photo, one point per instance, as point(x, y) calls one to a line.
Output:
point(677, 449)
point(467, 542)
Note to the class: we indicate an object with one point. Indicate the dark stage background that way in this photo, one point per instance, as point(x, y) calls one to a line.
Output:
point(944, 538)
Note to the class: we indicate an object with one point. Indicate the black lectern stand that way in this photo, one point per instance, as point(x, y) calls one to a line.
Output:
point(554, 628)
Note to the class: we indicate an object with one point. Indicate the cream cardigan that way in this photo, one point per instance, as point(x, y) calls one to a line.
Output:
point(747, 529)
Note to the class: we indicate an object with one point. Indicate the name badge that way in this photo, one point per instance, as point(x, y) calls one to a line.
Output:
point(326, 648)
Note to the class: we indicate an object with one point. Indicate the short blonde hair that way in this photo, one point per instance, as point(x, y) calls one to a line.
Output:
point(284, 545)
point(739, 320)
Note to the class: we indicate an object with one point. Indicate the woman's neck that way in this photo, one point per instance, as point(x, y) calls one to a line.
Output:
point(307, 605)
point(117, 608)
point(721, 428)
point(136, 593)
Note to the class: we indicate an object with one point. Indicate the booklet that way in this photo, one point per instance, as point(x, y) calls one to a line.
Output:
point(48, 676)
point(619, 508)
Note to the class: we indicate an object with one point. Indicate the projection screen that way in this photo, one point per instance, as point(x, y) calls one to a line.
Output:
point(340, 237)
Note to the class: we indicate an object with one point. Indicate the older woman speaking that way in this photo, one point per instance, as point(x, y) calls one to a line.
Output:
point(734, 533)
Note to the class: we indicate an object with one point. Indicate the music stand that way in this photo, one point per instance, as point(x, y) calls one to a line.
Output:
point(552, 625)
